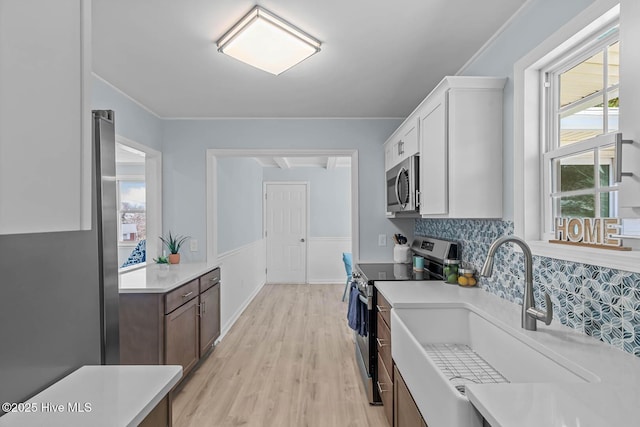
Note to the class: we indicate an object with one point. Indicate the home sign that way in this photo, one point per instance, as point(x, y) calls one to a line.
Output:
point(594, 232)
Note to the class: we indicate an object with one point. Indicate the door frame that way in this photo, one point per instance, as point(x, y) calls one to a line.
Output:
point(307, 219)
point(212, 156)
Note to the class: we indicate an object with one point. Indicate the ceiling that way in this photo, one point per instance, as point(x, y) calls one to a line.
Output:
point(378, 58)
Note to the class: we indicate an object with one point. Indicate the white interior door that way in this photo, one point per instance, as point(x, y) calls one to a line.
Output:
point(286, 232)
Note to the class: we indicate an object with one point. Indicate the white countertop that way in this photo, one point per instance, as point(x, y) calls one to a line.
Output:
point(614, 401)
point(110, 396)
point(161, 278)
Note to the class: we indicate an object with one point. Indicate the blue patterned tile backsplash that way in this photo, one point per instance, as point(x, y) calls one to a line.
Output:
point(601, 302)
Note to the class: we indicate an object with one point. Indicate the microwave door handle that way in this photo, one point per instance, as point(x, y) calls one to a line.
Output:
point(400, 172)
point(396, 188)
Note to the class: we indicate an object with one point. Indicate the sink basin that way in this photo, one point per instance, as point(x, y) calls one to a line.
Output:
point(441, 348)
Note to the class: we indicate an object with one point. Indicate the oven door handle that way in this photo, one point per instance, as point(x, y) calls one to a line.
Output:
point(363, 299)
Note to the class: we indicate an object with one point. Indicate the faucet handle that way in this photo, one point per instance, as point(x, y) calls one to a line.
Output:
point(549, 305)
point(538, 314)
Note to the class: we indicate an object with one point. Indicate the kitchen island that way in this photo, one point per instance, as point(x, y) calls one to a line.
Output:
point(609, 396)
point(169, 314)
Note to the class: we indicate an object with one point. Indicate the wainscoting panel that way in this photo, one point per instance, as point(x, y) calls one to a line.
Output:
point(243, 275)
point(325, 259)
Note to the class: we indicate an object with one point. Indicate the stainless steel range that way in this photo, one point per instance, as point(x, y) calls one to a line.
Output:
point(434, 251)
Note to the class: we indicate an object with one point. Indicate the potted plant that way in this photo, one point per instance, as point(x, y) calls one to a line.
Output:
point(173, 244)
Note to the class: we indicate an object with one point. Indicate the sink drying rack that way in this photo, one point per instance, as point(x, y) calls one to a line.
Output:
point(461, 365)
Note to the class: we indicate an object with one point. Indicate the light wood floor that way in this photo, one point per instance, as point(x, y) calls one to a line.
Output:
point(288, 361)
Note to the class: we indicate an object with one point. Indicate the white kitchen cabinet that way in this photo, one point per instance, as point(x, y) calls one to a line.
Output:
point(461, 149)
point(45, 124)
point(403, 143)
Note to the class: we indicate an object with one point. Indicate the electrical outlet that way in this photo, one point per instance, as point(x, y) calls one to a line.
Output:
point(193, 245)
point(382, 240)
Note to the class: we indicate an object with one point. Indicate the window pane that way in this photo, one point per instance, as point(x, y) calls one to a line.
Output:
point(574, 172)
point(614, 110)
point(613, 53)
point(606, 157)
point(605, 205)
point(132, 227)
point(609, 204)
point(577, 206)
point(132, 195)
point(582, 80)
point(582, 122)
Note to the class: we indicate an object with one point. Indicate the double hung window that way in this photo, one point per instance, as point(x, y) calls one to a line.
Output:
point(580, 103)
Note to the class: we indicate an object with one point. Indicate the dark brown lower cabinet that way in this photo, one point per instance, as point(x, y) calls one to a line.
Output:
point(385, 387)
point(209, 318)
point(405, 410)
point(160, 416)
point(174, 328)
point(182, 332)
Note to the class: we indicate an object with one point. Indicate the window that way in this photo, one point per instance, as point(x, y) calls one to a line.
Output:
point(131, 194)
point(533, 122)
point(580, 115)
point(131, 211)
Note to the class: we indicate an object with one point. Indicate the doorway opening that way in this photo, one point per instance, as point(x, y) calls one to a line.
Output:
point(220, 180)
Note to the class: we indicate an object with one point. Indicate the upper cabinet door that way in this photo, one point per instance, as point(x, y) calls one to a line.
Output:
point(434, 188)
point(45, 126)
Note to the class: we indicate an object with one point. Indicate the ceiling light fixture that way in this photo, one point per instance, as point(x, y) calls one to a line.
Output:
point(265, 41)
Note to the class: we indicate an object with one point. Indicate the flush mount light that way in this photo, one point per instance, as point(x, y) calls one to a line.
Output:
point(267, 42)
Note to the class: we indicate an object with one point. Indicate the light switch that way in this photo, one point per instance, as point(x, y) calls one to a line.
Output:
point(193, 245)
point(382, 240)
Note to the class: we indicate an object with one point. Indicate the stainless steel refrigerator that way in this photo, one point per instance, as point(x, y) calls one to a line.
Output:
point(59, 291)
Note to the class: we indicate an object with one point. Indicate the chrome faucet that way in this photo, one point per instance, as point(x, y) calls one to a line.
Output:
point(530, 314)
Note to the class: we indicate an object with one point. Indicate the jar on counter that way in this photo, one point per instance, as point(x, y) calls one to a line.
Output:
point(467, 277)
point(450, 271)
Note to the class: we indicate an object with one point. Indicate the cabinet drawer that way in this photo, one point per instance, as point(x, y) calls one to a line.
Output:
point(184, 293)
point(209, 279)
point(384, 308)
point(384, 343)
point(385, 387)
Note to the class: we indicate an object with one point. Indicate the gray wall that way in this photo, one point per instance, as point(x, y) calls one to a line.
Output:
point(537, 21)
point(329, 194)
point(49, 309)
point(184, 149)
point(239, 203)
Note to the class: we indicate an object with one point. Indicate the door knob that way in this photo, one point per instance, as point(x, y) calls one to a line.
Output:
point(302, 240)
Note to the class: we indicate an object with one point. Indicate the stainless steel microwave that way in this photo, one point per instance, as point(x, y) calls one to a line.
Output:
point(403, 189)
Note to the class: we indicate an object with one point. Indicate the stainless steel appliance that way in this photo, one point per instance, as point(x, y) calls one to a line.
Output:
point(60, 289)
point(434, 251)
point(106, 225)
point(403, 188)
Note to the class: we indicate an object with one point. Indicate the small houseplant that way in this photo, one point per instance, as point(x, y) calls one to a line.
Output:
point(173, 244)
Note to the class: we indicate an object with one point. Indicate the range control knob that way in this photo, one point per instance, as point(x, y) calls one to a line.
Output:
point(356, 275)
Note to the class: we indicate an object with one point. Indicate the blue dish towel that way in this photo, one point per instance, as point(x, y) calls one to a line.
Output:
point(357, 311)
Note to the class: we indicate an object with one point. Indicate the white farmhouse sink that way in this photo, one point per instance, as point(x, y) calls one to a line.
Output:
point(511, 356)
